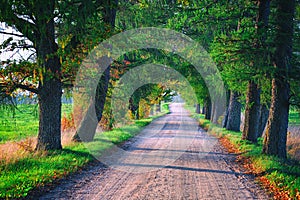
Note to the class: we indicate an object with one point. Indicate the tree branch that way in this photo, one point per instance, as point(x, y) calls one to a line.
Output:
point(27, 87)
point(13, 34)
point(22, 25)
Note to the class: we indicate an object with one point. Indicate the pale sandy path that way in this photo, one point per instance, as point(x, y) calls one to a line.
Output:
point(179, 161)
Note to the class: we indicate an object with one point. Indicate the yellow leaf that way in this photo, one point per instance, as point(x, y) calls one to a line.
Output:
point(41, 76)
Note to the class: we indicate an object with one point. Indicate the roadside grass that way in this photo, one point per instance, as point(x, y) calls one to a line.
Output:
point(20, 177)
point(294, 117)
point(36, 170)
point(283, 176)
point(22, 122)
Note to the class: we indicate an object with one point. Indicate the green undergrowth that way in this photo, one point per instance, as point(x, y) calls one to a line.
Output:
point(43, 168)
point(22, 122)
point(282, 174)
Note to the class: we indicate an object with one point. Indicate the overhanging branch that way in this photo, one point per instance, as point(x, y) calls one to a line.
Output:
point(12, 34)
point(27, 87)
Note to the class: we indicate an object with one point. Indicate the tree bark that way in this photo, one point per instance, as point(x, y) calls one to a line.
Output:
point(198, 108)
point(276, 131)
point(264, 114)
point(250, 131)
point(212, 110)
point(203, 110)
point(207, 109)
point(88, 125)
point(50, 87)
point(234, 112)
point(225, 119)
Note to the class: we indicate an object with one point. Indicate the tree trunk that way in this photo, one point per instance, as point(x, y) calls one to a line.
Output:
point(225, 119)
point(207, 109)
point(134, 107)
point(217, 113)
point(264, 114)
point(50, 88)
point(88, 125)
point(250, 131)
point(198, 108)
point(158, 107)
point(234, 112)
point(251, 128)
point(203, 110)
point(276, 131)
point(212, 110)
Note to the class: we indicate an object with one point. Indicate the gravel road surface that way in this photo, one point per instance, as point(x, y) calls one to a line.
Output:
point(172, 158)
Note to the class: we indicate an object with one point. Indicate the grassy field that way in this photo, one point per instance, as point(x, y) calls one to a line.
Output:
point(23, 175)
point(22, 122)
point(282, 176)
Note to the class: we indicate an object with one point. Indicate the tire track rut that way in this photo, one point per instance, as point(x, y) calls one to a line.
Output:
point(171, 159)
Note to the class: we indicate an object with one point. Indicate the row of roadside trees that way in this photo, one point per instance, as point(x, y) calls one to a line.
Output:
point(250, 41)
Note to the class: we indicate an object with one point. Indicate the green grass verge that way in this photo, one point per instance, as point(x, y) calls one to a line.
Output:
point(294, 117)
point(284, 175)
point(22, 122)
point(36, 170)
point(20, 177)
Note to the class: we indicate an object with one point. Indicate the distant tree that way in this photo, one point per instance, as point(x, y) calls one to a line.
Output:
point(234, 108)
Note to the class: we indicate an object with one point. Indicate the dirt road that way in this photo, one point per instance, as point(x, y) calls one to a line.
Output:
point(171, 159)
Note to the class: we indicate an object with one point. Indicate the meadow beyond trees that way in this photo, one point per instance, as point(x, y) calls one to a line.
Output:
point(254, 44)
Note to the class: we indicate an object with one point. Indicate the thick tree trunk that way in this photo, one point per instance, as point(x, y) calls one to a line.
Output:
point(198, 108)
point(50, 87)
point(234, 112)
point(264, 114)
point(276, 131)
point(49, 136)
point(250, 131)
